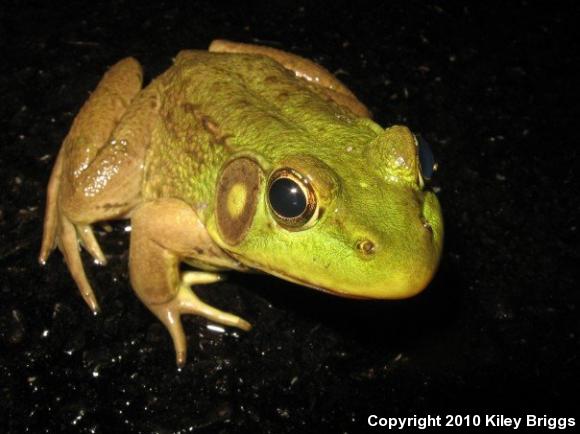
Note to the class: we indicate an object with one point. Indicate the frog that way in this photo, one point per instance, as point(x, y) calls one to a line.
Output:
point(242, 158)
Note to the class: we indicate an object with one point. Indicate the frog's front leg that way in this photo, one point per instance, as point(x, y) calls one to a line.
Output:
point(163, 233)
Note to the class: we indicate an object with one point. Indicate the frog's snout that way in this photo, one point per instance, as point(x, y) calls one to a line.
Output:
point(397, 257)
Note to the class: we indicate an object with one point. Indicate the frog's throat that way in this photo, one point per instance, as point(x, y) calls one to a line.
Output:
point(297, 280)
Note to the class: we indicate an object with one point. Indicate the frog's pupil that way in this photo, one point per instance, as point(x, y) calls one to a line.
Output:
point(426, 158)
point(287, 198)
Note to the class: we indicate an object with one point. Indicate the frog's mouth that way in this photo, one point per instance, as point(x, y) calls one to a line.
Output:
point(284, 276)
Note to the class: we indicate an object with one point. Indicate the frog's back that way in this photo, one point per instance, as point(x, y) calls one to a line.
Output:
point(253, 99)
point(218, 104)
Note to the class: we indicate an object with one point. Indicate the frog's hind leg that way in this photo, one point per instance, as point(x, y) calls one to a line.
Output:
point(303, 68)
point(71, 195)
point(163, 233)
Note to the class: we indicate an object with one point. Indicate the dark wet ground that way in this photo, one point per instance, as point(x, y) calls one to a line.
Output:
point(497, 331)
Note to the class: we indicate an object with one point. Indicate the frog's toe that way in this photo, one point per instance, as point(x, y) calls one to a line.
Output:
point(200, 278)
point(48, 240)
point(169, 315)
point(68, 244)
point(186, 302)
point(91, 244)
point(190, 303)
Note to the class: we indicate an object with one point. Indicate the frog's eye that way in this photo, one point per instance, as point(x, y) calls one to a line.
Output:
point(291, 199)
point(427, 162)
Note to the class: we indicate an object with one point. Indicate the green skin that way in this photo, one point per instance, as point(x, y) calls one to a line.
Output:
point(217, 107)
point(190, 160)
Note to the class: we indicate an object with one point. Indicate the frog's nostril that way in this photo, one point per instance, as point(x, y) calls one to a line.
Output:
point(366, 247)
point(426, 224)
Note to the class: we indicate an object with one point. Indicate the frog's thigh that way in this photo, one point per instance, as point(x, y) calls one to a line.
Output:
point(303, 68)
point(87, 136)
point(89, 133)
point(163, 232)
point(110, 186)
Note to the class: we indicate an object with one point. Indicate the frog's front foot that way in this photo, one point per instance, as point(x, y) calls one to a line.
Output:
point(163, 233)
point(186, 302)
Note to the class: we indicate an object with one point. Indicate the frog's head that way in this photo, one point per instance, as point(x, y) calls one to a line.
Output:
point(361, 225)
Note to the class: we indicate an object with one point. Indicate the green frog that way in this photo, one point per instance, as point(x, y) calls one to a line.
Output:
point(245, 158)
